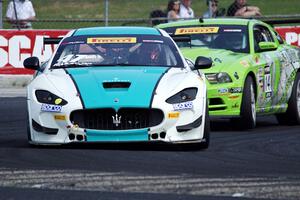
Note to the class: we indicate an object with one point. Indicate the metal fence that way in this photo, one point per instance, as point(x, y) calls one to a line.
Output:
point(79, 23)
point(110, 15)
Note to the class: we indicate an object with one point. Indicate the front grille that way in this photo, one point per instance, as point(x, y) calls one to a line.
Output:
point(124, 119)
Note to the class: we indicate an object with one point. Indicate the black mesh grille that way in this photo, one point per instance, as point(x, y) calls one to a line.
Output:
point(124, 119)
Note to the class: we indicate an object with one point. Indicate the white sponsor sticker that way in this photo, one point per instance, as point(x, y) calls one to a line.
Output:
point(51, 108)
point(183, 106)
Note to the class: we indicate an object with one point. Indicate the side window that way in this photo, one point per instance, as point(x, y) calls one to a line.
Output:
point(261, 34)
point(279, 38)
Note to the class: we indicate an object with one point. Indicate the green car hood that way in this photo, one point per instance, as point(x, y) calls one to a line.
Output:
point(222, 59)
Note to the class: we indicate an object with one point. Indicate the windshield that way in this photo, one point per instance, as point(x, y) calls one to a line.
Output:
point(121, 50)
point(229, 37)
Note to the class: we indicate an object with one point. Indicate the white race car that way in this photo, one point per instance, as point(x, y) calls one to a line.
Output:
point(117, 84)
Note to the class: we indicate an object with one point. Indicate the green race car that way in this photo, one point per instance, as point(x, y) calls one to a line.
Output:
point(254, 72)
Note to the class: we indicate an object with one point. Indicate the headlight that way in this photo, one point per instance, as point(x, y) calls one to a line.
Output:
point(221, 77)
point(188, 94)
point(44, 96)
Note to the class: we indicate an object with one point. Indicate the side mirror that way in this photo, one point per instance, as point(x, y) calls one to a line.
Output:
point(202, 63)
point(32, 63)
point(267, 46)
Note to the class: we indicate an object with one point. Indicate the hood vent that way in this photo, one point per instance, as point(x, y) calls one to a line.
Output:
point(111, 85)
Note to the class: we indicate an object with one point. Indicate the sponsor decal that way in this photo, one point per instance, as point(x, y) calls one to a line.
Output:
point(51, 108)
point(111, 40)
point(234, 97)
point(267, 80)
point(218, 60)
point(245, 63)
point(233, 30)
point(256, 58)
point(75, 42)
point(153, 41)
point(236, 90)
point(115, 80)
point(196, 30)
point(173, 115)
point(60, 117)
point(236, 105)
point(223, 90)
point(183, 106)
point(268, 94)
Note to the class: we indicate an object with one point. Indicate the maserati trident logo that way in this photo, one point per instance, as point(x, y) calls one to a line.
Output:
point(116, 119)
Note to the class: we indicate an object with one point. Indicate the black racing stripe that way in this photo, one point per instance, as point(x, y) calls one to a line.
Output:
point(154, 90)
point(74, 32)
point(77, 89)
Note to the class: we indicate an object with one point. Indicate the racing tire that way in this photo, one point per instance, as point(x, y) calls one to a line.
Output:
point(292, 115)
point(206, 134)
point(28, 130)
point(248, 108)
point(29, 139)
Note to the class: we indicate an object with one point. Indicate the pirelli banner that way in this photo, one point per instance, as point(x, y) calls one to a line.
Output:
point(16, 46)
point(291, 34)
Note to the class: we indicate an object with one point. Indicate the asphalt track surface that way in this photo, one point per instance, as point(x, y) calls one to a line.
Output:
point(263, 163)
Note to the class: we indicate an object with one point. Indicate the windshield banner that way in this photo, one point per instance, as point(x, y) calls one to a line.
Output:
point(16, 46)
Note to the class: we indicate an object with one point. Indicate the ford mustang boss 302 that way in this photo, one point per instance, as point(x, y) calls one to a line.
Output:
point(117, 84)
point(254, 71)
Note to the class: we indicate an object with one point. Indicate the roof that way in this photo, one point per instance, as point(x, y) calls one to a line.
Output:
point(115, 30)
point(217, 21)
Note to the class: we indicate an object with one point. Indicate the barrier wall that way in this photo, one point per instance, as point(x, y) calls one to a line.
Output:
point(291, 34)
point(16, 46)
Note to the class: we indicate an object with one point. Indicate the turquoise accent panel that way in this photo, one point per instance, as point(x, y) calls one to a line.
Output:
point(117, 136)
point(90, 80)
point(117, 31)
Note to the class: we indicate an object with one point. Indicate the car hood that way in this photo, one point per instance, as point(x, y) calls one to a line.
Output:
point(105, 87)
point(222, 59)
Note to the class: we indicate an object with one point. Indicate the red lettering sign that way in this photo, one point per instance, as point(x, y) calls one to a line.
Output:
point(291, 34)
point(16, 46)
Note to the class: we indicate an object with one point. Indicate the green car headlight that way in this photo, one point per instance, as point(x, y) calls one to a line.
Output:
point(215, 78)
point(188, 94)
point(47, 97)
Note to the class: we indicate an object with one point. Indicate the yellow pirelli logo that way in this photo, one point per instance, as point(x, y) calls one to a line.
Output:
point(196, 30)
point(111, 40)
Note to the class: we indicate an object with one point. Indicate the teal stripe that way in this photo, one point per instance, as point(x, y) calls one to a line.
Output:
point(117, 31)
point(117, 136)
point(143, 81)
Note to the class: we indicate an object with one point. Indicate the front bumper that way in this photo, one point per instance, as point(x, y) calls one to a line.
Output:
point(224, 99)
point(176, 126)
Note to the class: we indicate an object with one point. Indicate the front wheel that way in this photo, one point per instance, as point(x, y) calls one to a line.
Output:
point(248, 109)
point(28, 130)
point(206, 134)
point(292, 115)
